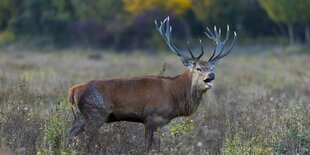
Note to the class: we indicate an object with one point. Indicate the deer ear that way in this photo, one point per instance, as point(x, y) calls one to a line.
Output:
point(188, 63)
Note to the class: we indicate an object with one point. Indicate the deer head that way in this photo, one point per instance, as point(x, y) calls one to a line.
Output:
point(202, 71)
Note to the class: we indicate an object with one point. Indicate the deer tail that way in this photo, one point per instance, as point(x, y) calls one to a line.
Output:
point(73, 104)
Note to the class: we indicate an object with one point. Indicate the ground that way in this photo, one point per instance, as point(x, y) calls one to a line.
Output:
point(259, 103)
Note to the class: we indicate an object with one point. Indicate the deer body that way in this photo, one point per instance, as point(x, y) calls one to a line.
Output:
point(153, 101)
point(139, 99)
point(150, 100)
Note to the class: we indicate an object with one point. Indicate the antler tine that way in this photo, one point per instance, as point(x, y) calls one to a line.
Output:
point(215, 31)
point(213, 53)
point(202, 52)
point(210, 34)
point(190, 51)
point(227, 35)
point(219, 34)
point(212, 37)
point(220, 45)
point(165, 30)
point(192, 55)
point(216, 37)
point(228, 51)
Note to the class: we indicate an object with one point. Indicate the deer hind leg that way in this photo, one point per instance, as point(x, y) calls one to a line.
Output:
point(95, 119)
point(77, 128)
point(95, 109)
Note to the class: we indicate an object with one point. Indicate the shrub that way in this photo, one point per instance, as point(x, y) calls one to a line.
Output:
point(54, 130)
point(6, 37)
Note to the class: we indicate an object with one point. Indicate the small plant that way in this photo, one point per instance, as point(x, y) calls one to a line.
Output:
point(163, 70)
point(173, 137)
point(54, 129)
point(182, 128)
point(235, 145)
point(294, 142)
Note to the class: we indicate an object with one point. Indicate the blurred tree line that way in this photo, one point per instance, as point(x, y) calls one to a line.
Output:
point(129, 24)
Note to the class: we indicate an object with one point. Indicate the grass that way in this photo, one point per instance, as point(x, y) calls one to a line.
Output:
point(259, 105)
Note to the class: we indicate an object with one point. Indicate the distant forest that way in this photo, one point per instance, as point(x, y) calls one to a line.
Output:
point(129, 24)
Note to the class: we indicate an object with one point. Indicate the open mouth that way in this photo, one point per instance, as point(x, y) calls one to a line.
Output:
point(208, 82)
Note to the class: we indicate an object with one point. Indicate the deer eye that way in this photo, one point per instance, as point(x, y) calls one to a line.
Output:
point(199, 69)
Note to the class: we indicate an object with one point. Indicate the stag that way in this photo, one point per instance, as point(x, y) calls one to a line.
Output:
point(151, 100)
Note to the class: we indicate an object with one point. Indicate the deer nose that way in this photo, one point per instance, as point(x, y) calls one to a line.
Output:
point(211, 76)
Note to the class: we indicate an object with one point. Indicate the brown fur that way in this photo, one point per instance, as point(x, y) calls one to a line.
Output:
point(150, 100)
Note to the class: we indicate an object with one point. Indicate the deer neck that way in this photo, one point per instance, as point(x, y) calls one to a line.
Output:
point(186, 93)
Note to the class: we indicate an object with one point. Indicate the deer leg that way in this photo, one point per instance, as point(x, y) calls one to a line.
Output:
point(149, 133)
point(95, 119)
point(158, 140)
point(77, 128)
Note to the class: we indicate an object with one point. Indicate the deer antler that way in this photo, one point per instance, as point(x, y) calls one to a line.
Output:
point(219, 45)
point(165, 30)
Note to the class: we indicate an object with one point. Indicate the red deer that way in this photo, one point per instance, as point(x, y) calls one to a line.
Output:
point(151, 100)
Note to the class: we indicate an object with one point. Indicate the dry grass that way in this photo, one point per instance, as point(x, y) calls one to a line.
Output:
point(259, 105)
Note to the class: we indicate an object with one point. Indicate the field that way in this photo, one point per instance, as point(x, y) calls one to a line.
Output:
point(260, 103)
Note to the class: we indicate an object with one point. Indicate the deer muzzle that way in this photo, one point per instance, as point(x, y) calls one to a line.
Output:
point(209, 79)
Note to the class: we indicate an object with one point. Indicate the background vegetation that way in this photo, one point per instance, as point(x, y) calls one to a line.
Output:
point(259, 105)
point(128, 24)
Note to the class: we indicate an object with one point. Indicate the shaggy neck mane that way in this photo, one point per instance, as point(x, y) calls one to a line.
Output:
point(185, 93)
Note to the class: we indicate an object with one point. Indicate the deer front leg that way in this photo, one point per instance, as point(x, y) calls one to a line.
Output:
point(148, 134)
point(158, 139)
